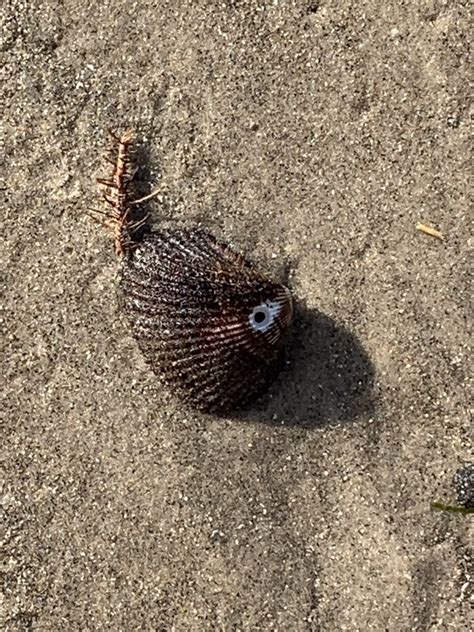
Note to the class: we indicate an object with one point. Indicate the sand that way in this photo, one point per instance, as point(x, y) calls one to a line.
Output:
point(314, 136)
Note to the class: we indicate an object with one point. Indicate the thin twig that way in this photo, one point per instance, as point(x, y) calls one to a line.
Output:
point(452, 508)
point(146, 198)
point(116, 192)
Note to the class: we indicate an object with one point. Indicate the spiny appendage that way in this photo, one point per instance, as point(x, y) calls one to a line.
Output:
point(122, 215)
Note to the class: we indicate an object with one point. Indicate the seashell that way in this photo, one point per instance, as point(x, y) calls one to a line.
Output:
point(209, 324)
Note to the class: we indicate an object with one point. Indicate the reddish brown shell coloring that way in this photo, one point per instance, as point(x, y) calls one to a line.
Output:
point(209, 325)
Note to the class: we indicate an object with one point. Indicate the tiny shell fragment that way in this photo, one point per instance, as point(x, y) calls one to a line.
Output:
point(423, 228)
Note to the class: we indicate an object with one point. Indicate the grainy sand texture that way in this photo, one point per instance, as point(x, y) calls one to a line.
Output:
point(314, 136)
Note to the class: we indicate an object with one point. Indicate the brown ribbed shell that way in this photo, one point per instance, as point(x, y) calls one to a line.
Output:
point(192, 303)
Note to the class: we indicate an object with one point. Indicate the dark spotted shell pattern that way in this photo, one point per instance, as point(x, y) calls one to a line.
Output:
point(208, 324)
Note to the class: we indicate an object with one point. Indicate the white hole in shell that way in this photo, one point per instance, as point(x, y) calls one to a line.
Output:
point(263, 316)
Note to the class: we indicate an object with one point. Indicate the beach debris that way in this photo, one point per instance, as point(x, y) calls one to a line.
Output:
point(428, 230)
point(464, 484)
point(207, 322)
point(122, 216)
point(453, 508)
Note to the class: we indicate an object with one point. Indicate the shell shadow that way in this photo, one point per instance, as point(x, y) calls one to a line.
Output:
point(143, 177)
point(143, 184)
point(327, 378)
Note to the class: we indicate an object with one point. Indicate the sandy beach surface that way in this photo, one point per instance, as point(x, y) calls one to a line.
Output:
point(314, 136)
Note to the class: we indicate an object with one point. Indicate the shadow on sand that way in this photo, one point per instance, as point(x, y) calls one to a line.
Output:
point(327, 378)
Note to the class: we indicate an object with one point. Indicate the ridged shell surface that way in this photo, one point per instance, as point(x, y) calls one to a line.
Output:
point(209, 325)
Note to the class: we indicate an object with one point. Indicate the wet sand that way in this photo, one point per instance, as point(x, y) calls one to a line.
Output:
point(314, 136)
